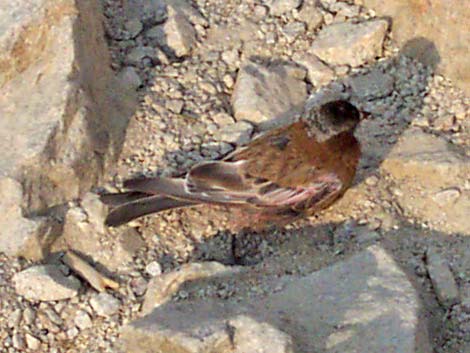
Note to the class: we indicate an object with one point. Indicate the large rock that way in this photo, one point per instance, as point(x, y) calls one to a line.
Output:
point(263, 93)
point(351, 44)
point(63, 113)
point(364, 304)
point(432, 174)
point(443, 22)
point(203, 327)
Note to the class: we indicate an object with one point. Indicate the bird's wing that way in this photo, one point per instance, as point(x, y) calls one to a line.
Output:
point(228, 183)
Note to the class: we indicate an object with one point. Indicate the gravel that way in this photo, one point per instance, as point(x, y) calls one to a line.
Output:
point(185, 92)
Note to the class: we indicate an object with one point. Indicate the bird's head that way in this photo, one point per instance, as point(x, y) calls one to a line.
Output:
point(333, 118)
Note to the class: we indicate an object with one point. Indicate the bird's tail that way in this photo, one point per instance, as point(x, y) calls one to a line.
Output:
point(128, 206)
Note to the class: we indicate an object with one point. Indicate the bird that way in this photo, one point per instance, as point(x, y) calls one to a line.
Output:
point(286, 173)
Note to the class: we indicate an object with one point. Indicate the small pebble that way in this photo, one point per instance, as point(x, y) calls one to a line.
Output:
point(29, 315)
point(32, 342)
point(153, 269)
point(72, 332)
point(105, 304)
point(372, 180)
point(82, 320)
point(447, 196)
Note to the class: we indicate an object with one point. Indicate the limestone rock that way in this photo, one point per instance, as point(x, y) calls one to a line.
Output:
point(82, 320)
point(263, 93)
point(292, 30)
point(253, 336)
point(310, 14)
point(444, 24)
point(104, 304)
point(363, 304)
point(154, 269)
point(86, 234)
point(63, 114)
point(343, 9)
point(319, 73)
point(349, 43)
point(239, 133)
point(431, 174)
point(186, 8)
point(279, 7)
point(210, 328)
point(45, 283)
point(223, 119)
point(32, 342)
point(179, 33)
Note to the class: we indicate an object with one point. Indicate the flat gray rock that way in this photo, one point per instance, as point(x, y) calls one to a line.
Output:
point(375, 84)
point(351, 44)
point(265, 93)
point(45, 283)
point(364, 304)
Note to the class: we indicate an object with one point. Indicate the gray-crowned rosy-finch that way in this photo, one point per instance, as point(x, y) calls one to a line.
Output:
point(285, 173)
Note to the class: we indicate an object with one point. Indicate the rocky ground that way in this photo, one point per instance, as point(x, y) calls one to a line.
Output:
point(210, 77)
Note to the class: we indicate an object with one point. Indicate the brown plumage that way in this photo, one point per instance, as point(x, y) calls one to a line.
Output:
point(289, 172)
